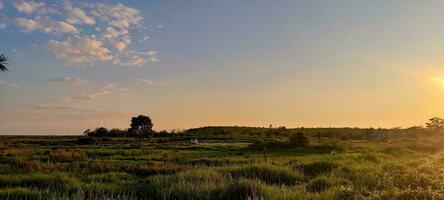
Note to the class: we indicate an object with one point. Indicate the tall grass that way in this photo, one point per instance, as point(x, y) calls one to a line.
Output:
point(266, 173)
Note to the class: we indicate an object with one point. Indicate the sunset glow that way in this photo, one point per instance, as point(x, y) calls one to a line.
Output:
point(80, 64)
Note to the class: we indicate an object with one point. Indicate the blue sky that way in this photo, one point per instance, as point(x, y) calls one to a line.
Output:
point(82, 64)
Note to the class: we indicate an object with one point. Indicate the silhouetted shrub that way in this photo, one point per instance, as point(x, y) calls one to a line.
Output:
point(298, 140)
point(115, 132)
point(98, 132)
point(86, 140)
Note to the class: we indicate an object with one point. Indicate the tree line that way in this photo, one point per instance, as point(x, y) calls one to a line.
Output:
point(141, 126)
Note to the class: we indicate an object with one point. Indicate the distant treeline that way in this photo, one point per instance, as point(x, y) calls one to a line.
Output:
point(141, 126)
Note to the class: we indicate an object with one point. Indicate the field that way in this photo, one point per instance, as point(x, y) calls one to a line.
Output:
point(228, 163)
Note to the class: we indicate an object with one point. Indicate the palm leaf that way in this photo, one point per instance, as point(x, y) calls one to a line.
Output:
point(3, 62)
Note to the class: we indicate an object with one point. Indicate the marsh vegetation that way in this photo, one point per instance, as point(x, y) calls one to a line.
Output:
point(228, 163)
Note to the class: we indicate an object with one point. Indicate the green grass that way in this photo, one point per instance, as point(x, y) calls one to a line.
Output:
point(225, 166)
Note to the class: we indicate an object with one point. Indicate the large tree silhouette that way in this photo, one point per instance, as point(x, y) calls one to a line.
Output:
point(3, 63)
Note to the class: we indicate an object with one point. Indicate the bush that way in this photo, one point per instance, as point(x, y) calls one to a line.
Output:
point(298, 140)
point(318, 184)
point(98, 132)
point(318, 168)
point(86, 140)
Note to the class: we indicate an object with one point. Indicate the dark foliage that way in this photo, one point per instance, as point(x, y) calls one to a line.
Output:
point(3, 62)
point(299, 140)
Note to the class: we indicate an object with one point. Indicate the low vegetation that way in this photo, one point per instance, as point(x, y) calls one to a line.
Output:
point(228, 163)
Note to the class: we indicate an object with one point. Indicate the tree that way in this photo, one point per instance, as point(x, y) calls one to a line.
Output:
point(87, 132)
point(299, 140)
point(100, 132)
point(435, 123)
point(141, 126)
point(115, 132)
point(3, 62)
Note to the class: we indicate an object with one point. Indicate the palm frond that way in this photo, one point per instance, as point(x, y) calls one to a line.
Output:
point(3, 62)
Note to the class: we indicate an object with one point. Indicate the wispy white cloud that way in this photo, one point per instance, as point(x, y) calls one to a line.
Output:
point(145, 81)
point(81, 50)
point(45, 24)
point(72, 111)
point(66, 28)
point(75, 15)
point(70, 80)
point(8, 84)
point(119, 38)
point(27, 24)
point(108, 89)
point(29, 7)
point(117, 16)
point(136, 58)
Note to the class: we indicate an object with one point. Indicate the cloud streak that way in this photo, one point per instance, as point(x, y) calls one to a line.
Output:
point(108, 89)
point(145, 81)
point(46, 25)
point(70, 80)
point(8, 84)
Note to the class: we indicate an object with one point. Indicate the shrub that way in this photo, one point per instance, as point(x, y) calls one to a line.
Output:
point(86, 140)
point(328, 148)
point(19, 193)
point(298, 140)
point(318, 184)
point(98, 132)
point(318, 168)
point(258, 145)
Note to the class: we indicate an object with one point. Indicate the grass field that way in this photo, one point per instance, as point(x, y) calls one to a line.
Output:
point(223, 166)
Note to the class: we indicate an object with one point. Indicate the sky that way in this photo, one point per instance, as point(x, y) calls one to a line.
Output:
point(75, 65)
